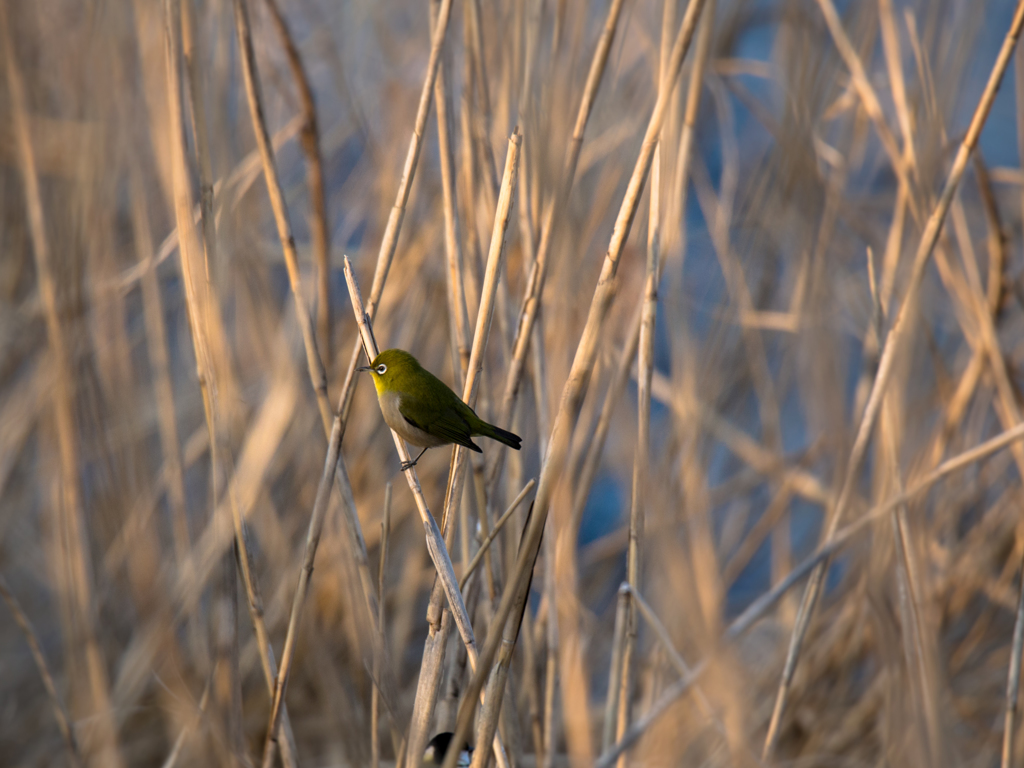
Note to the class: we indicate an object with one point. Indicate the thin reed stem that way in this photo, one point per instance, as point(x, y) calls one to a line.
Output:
point(60, 712)
point(317, 373)
point(309, 138)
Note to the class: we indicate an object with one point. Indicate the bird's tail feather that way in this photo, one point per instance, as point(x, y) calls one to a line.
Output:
point(503, 436)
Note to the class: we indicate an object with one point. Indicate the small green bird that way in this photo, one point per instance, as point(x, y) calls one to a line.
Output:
point(423, 409)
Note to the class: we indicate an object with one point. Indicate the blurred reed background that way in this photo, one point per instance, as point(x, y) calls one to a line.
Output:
point(753, 332)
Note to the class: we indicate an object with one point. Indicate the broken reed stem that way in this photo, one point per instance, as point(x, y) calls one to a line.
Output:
point(317, 374)
point(389, 242)
point(309, 139)
point(430, 665)
point(435, 543)
point(929, 237)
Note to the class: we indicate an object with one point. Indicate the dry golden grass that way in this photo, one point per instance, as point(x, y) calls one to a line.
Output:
point(746, 277)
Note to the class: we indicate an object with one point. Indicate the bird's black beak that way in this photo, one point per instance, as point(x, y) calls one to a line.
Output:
point(363, 368)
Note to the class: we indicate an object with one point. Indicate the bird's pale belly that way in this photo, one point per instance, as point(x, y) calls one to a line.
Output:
point(395, 420)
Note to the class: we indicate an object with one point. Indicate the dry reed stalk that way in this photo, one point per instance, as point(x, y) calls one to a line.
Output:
point(975, 300)
point(317, 373)
point(197, 111)
point(1018, 72)
point(60, 713)
point(435, 543)
point(645, 368)
point(430, 667)
point(389, 242)
point(202, 319)
point(1013, 678)
point(551, 659)
point(385, 532)
point(611, 704)
point(717, 211)
point(775, 512)
point(528, 327)
point(226, 678)
point(163, 390)
point(1017, 646)
point(894, 65)
point(77, 582)
point(926, 245)
point(482, 129)
point(996, 241)
point(918, 655)
point(468, 178)
point(452, 241)
point(531, 25)
point(309, 139)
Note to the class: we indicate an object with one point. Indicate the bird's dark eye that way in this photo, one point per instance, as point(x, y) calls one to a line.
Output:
point(382, 369)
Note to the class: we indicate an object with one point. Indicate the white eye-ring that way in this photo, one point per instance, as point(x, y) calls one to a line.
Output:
point(382, 369)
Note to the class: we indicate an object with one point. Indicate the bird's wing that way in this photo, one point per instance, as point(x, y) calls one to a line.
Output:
point(438, 419)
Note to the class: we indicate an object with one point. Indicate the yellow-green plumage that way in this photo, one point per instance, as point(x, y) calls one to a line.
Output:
point(423, 409)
